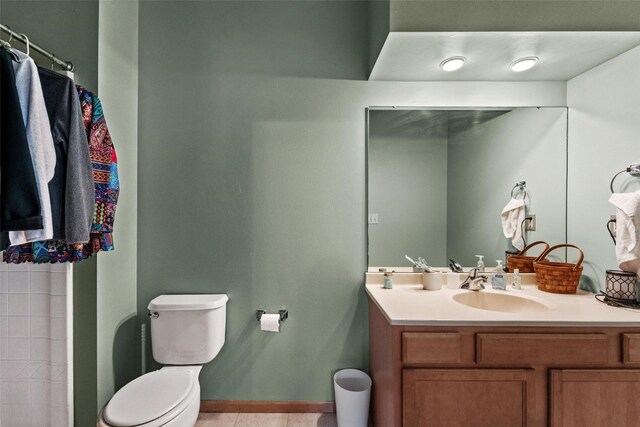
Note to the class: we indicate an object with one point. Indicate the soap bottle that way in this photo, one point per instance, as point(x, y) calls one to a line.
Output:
point(480, 264)
point(497, 280)
point(517, 280)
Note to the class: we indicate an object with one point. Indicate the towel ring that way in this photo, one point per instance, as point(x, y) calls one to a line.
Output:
point(633, 170)
point(614, 178)
point(522, 186)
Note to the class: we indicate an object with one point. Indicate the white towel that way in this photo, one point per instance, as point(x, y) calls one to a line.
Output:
point(512, 216)
point(627, 230)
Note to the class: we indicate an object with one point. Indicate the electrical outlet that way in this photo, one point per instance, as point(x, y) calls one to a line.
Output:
point(531, 224)
point(373, 218)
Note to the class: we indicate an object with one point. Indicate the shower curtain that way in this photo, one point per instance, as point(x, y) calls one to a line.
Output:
point(36, 353)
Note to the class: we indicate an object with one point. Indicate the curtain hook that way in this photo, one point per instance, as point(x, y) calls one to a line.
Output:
point(26, 42)
point(10, 37)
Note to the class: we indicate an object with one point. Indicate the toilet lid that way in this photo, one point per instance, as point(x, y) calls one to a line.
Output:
point(148, 397)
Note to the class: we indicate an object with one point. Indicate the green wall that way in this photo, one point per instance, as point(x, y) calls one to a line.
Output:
point(117, 340)
point(251, 183)
point(252, 178)
point(515, 15)
point(69, 28)
point(378, 28)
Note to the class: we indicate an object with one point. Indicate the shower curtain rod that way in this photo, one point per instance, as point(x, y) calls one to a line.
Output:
point(66, 65)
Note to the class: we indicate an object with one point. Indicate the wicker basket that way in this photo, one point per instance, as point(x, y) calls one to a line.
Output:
point(522, 262)
point(558, 277)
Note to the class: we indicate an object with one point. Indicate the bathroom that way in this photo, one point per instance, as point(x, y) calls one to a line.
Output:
point(241, 138)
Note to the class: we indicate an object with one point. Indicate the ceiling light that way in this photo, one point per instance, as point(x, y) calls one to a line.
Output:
point(524, 64)
point(452, 64)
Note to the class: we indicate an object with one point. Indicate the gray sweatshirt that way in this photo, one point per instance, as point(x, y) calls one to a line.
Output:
point(40, 141)
point(72, 190)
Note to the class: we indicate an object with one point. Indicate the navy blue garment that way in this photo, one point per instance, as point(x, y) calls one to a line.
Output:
point(19, 201)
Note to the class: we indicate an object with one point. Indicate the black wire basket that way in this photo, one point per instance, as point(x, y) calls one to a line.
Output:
point(620, 285)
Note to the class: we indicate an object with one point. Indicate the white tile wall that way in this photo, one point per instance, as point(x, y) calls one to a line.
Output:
point(35, 345)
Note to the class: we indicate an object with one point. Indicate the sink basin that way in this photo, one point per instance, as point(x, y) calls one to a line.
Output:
point(499, 302)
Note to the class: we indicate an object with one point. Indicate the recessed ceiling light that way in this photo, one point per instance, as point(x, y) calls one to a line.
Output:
point(452, 64)
point(523, 64)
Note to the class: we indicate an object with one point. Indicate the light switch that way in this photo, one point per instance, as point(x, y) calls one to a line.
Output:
point(373, 218)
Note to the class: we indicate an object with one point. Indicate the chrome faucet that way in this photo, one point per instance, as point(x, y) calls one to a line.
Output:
point(475, 281)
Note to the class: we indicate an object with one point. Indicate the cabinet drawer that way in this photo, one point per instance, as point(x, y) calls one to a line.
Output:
point(431, 347)
point(630, 348)
point(549, 349)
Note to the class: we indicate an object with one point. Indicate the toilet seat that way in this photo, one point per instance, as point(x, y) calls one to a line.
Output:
point(153, 399)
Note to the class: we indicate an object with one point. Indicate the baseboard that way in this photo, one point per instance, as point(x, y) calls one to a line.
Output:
point(235, 406)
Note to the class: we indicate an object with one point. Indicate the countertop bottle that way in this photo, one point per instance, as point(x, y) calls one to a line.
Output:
point(388, 280)
point(517, 280)
point(480, 264)
point(497, 280)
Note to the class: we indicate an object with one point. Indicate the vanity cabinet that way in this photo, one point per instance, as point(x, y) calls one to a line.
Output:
point(468, 397)
point(584, 398)
point(448, 376)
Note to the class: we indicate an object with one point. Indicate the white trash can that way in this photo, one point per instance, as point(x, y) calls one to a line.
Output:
point(353, 390)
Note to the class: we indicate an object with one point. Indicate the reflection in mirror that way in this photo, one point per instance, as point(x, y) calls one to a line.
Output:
point(438, 180)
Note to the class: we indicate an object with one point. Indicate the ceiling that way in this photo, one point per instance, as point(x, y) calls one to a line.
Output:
point(410, 56)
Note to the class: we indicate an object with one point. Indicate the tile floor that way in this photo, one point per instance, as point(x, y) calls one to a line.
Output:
point(266, 420)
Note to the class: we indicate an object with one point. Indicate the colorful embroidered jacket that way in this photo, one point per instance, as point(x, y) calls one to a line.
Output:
point(105, 175)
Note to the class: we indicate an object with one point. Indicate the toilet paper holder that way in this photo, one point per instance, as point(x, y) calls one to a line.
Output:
point(284, 314)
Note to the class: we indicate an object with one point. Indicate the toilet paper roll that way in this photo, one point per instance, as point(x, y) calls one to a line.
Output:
point(270, 322)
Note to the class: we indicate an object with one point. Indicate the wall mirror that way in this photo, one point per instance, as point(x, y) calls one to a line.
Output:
point(438, 179)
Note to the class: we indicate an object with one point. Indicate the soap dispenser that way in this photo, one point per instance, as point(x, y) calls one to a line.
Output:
point(497, 280)
point(480, 264)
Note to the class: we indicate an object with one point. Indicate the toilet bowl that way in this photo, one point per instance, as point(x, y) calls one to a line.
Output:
point(187, 331)
point(167, 397)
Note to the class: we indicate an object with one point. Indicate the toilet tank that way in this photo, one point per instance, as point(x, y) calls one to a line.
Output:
point(187, 329)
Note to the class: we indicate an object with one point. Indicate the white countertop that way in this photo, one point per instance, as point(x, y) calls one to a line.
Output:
point(409, 304)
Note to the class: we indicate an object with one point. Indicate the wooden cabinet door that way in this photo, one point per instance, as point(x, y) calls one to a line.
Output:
point(595, 398)
point(468, 397)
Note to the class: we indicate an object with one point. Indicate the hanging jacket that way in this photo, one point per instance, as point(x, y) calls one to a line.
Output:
point(106, 184)
point(43, 155)
point(103, 161)
point(19, 199)
point(72, 188)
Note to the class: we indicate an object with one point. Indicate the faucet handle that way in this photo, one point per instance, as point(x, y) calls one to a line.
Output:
point(473, 285)
point(475, 281)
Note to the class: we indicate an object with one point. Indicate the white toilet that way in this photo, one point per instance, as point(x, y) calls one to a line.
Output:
point(187, 331)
